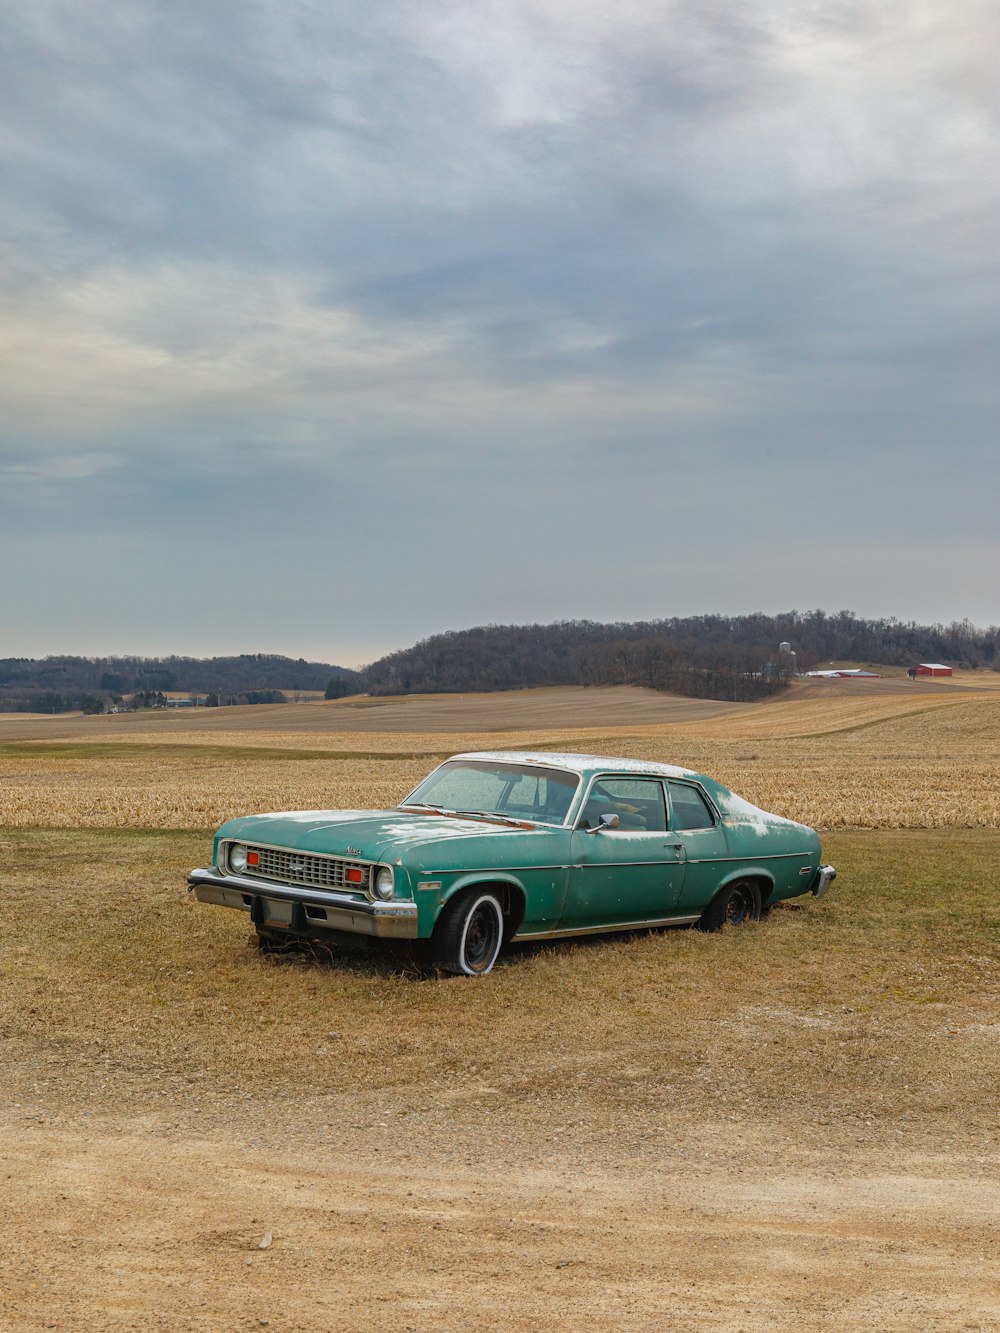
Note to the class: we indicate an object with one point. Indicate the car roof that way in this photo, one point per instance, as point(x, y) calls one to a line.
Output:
point(731, 806)
point(584, 764)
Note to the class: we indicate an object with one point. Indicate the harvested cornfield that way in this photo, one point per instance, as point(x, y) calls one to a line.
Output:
point(832, 762)
point(139, 789)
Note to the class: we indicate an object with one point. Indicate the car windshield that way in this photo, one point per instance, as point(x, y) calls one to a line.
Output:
point(516, 791)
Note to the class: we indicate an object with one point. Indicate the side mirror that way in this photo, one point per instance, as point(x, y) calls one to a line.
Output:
point(605, 822)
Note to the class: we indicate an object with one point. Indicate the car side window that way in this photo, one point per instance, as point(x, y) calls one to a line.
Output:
point(638, 803)
point(688, 808)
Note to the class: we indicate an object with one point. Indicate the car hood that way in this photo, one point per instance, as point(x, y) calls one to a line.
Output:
point(369, 834)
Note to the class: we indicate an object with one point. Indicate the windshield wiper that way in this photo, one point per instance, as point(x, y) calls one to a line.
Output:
point(467, 814)
point(500, 819)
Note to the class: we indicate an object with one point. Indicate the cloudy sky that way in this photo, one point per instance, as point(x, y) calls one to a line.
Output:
point(325, 326)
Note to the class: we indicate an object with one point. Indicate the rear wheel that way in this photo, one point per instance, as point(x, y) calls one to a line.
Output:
point(469, 934)
point(734, 905)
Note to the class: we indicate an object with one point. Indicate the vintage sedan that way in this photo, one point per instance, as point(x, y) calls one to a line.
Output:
point(506, 847)
point(501, 846)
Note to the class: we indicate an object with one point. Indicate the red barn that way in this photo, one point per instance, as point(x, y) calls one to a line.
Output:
point(933, 669)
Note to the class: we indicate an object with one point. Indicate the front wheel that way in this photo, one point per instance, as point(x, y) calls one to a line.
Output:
point(732, 906)
point(469, 934)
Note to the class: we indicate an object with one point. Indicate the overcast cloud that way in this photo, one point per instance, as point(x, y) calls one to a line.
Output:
point(326, 326)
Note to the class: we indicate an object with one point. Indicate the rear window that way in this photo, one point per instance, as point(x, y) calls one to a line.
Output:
point(688, 808)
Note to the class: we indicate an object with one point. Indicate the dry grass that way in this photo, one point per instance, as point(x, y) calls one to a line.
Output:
point(876, 1005)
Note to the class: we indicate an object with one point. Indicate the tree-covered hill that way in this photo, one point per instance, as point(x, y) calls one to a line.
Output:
point(711, 656)
point(53, 684)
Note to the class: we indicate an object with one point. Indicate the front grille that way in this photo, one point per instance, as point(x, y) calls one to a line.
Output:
point(321, 872)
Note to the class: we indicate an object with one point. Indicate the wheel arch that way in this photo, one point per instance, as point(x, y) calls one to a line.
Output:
point(510, 891)
point(763, 881)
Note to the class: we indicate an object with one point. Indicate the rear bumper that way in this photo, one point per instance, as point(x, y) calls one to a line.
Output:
point(304, 910)
point(825, 876)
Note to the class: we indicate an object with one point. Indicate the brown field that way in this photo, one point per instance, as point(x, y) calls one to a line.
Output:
point(505, 711)
point(851, 759)
point(788, 1127)
point(568, 707)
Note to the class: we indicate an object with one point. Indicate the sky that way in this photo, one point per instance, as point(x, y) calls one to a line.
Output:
point(326, 326)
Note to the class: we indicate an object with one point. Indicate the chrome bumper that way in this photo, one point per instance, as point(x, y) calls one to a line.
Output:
point(302, 910)
point(825, 876)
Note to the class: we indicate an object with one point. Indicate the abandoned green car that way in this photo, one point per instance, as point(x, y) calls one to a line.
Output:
point(492, 847)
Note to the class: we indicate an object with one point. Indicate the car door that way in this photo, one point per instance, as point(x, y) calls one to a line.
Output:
point(629, 873)
point(695, 824)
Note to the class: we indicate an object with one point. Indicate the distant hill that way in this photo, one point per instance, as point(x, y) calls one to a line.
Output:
point(704, 657)
point(57, 684)
point(711, 656)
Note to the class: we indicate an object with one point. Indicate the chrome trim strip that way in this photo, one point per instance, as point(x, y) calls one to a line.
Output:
point(618, 865)
point(596, 865)
point(735, 860)
point(486, 871)
point(607, 929)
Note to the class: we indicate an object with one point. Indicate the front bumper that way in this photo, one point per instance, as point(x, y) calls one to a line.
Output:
point(825, 876)
point(305, 910)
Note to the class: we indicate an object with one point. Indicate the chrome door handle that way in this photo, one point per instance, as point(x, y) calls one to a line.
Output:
point(678, 846)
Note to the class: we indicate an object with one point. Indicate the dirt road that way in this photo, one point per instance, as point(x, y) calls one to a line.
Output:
point(119, 1224)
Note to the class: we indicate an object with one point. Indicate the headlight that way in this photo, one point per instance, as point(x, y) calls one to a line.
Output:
point(384, 883)
point(237, 858)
